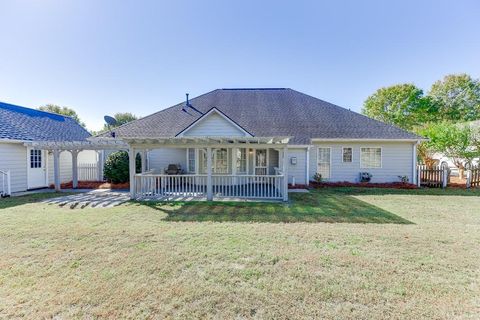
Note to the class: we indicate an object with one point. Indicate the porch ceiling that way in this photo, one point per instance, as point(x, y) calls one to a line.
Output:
point(206, 141)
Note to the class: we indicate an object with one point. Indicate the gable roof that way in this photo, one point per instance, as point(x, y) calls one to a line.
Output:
point(20, 123)
point(267, 113)
point(205, 116)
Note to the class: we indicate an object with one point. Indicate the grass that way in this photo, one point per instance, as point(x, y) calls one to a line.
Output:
point(419, 259)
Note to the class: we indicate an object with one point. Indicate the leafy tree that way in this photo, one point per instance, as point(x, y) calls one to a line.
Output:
point(66, 111)
point(453, 140)
point(403, 105)
point(457, 97)
point(116, 168)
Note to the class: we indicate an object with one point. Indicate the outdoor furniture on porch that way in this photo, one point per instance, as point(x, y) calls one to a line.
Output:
point(173, 169)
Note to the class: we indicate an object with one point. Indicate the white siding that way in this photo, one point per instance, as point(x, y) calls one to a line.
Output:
point(396, 161)
point(299, 170)
point(87, 156)
point(13, 157)
point(159, 159)
point(214, 125)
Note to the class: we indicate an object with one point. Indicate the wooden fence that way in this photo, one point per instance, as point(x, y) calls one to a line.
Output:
point(473, 177)
point(88, 172)
point(433, 177)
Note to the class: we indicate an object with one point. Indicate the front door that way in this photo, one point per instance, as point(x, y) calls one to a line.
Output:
point(37, 171)
point(261, 162)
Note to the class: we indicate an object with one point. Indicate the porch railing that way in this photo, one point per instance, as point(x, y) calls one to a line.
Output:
point(222, 186)
point(166, 186)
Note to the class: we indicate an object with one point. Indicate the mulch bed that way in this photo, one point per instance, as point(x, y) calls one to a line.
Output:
point(392, 185)
point(94, 185)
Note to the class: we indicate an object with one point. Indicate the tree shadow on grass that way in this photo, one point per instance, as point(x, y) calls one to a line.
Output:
point(304, 207)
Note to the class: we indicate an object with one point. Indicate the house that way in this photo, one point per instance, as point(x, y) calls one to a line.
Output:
point(266, 137)
point(251, 143)
point(31, 168)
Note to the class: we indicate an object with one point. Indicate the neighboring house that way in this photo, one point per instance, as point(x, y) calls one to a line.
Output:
point(32, 168)
point(236, 134)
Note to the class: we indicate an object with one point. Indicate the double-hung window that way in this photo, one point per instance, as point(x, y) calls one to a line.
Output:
point(191, 160)
point(219, 160)
point(241, 161)
point(347, 155)
point(371, 157)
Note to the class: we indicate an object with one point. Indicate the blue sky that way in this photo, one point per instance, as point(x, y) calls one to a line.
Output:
point(102, 57)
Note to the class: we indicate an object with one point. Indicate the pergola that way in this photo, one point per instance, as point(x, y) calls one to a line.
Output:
point(74, 147)
point(141, 145)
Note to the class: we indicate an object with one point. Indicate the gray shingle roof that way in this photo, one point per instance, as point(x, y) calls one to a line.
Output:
point(20, 123)
point(267, 113)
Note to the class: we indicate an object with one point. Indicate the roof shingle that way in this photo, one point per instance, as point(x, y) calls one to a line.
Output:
point(267, 113)
point(20, 123)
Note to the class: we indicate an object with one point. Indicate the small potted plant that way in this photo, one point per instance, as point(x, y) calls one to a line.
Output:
point(365, 176)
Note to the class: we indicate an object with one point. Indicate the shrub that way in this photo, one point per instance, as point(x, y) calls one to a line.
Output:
point(317, 177)
point(116, 167)
point(403, 179)
point(365, 177)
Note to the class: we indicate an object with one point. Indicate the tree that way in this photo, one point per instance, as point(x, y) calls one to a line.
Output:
point(66, 111)
point(453, 140)
point(403, 105)
point(457, 97)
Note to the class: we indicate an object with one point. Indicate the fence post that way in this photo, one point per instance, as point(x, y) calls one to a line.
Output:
point(445, 178)
point(469, 178)
point(419, 176)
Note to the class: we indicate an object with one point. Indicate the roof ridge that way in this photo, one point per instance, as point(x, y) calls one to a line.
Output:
point(37, 110)
point(240, 89)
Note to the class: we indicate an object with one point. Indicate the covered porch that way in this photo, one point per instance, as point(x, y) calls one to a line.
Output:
point(209, 168)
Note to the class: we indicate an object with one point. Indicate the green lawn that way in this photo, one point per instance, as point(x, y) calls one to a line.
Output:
point(402, 254)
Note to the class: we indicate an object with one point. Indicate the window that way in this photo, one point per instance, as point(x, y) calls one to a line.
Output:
point(35, 159)
point(191, 160)
point(347, 154)
point(323, 163)
point(241, 160)
point(371, 157)
point(219, 161)
point(261, 160)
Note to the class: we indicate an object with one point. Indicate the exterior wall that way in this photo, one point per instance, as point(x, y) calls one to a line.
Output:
point(86, 156)
point(297, 171)
point(214, 125)
point(13, 157)
point(397, 160)
point(159, 159)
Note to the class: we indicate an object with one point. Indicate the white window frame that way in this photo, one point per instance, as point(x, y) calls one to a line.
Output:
point(343, 152)
point(330, 161)
point(236, 159)
point(363, 166)
point(195, 158)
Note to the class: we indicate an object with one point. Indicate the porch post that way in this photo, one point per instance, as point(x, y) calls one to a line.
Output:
point(209, 175)
point(100, 154)
point(56, 169)
point(144, 161)
point(285, 173)
point(74, 168)
point(131, 169)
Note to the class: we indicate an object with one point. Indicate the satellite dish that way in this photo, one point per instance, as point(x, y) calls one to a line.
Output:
point(110, 120)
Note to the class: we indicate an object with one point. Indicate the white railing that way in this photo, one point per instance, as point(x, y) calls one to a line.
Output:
point(161, 186)
point(6, 189)
point(248, 186)
point(88, 172)
point(168, 186)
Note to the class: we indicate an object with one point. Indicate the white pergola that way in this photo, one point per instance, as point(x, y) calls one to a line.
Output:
point(141, 145)
point(74, 147)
